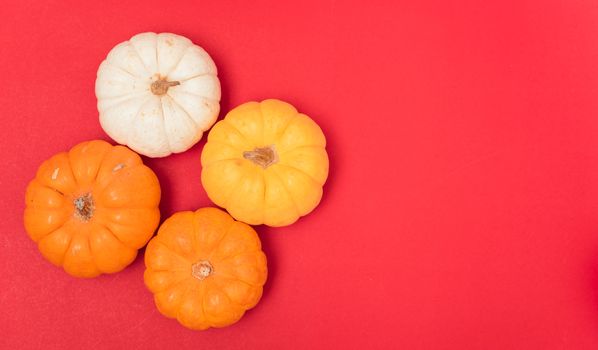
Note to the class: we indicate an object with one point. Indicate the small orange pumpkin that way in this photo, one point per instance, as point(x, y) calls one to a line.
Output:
point(91, 209)
point(205, 269)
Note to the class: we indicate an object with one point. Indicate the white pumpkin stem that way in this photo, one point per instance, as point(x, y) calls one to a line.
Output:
point(160, 87)
point(262, 156)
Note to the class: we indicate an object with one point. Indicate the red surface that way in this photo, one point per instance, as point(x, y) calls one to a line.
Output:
point(462, 206)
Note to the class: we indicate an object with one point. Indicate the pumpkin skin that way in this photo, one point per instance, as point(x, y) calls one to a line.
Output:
point(157, 93)
point(205, 269)
point(265, 163)
point(90, 209)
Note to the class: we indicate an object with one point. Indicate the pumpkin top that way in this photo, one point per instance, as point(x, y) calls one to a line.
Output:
point(265, 163)
point(205, 268)
point(157, 93)
point(92, 208)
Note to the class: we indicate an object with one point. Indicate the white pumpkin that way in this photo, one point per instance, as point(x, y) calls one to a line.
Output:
point(157, 93)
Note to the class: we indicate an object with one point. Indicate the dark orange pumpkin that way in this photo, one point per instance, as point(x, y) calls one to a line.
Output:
point(91, 209)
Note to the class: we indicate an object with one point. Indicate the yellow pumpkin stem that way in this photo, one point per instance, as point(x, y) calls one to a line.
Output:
point(262, 156)
point(84, 207)
point(160, 87)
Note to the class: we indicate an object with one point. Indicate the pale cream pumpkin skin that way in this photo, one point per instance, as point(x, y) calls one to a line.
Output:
point(266, 163)
point(157, 93)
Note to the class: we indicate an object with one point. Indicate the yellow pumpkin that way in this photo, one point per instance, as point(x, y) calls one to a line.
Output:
point(265, 163)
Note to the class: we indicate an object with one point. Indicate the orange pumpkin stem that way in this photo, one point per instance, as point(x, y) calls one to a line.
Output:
point(84, 207)
point(262, 156)
point(160, 87)
point(202, 269)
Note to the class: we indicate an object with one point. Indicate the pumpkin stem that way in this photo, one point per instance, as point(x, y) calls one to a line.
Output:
point(262, 156)
point(202, 269)
point(160, 86)
point(84, 207)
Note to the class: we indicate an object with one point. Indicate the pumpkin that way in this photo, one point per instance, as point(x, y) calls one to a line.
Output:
point(90, 209)
point(265, 163)
point(204, 268)
point(157, 93)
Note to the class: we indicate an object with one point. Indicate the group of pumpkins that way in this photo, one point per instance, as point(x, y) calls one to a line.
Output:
point(92, 208)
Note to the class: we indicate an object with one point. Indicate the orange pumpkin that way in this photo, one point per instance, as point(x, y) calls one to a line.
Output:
point(91, 209)
point(205, 269)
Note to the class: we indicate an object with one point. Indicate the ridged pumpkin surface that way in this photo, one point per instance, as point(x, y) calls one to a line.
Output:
point(205, 269)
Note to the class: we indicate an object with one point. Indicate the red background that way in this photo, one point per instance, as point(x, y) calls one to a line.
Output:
point(461, 210)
